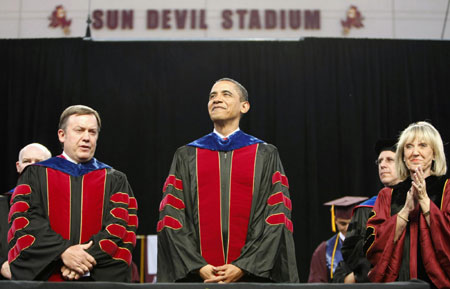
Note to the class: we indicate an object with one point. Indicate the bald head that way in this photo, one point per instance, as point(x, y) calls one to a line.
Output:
point(30, 154)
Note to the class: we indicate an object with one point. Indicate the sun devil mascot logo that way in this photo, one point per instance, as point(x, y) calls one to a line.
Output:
point(354, 19)
point(58, 19)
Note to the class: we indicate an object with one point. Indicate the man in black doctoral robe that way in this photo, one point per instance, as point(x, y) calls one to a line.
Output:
point(355, 267)
point(225, 215)
point(72, 216)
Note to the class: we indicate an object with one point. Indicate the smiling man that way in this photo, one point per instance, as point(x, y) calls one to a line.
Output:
point(72, 217)
point(225, 215)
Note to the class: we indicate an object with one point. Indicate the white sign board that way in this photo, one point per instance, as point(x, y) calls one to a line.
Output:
point(217, 20)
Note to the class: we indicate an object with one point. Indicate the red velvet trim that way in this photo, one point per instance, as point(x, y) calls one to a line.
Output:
point(279, 219)
point(130, 238)
point(120, 232)
point(92, 207)
point(209, 207)
point(59, 202)
point(120, 213)
point(132, 204)
point(279, 177)
point(116, 252)
point(173, 201)
point(117, 230)
point(173, 181)
point(22, 243)
point(241, 195)
point(133, 220)
point(18, 224)
point(122, 198)
point(169, 222)
point(56, 277)
point(18, 207)
point(278, 198)
point(20, 190)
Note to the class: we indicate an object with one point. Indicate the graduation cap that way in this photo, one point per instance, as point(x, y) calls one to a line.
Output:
point(385, 144)
point(342, 208)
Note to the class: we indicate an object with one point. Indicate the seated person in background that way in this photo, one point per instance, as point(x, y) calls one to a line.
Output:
point(408, 232)
point(355, 266)
point(72, 216)
point(29, 154)
point(327, 255)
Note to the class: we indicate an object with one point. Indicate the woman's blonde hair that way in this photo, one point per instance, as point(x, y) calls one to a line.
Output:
point(423, 131)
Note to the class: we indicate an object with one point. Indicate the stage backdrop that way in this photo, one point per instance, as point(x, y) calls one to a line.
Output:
point(322, 102)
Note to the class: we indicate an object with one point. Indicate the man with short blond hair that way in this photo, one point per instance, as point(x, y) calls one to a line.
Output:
point(72, 216)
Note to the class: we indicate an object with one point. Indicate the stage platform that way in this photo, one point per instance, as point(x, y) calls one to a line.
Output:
point(108, 285)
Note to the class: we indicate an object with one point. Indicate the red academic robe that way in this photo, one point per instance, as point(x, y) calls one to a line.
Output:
point(428, 246)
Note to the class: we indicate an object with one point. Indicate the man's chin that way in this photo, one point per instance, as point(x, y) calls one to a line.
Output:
point(83, 158)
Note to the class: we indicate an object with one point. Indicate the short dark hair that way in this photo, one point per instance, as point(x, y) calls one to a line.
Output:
point(80, 110)
point(243, 92)
point(385, 144)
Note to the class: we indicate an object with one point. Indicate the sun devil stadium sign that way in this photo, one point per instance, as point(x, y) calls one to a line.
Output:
point(234, 19)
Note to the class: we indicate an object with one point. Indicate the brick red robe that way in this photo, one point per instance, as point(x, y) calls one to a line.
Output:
point(421, 252)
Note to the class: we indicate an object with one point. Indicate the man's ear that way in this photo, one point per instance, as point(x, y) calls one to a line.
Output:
point(61, 135)
point(245, 106)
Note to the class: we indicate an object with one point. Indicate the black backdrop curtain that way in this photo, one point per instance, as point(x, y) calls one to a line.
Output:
point(322, 102)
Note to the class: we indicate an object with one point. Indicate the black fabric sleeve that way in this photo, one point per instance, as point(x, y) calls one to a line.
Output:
point(114, 244)
point(269, 251)
point(352, 249)
point(34, 249)
point(179, 258)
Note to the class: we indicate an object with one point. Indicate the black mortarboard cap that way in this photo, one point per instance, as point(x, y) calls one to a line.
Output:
point(343, 207)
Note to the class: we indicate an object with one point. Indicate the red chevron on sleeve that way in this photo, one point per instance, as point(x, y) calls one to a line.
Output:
point(130, 238)
point(173, 201)
point(120, 213)
point(22, 243)
point(133, 220)
point(169, 222)
point(279, 198)
point(173, 181)
point(279, 219)
point(279, 177)
point(116, 230)
point(20, 190)
point(17, 224)
point(116, 252)
point(122, 198)
point(18, 207)
point(120, 232)
point(132, 204)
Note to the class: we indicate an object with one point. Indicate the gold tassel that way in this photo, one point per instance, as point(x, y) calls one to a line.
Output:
point(333, 223)
point(142, 264)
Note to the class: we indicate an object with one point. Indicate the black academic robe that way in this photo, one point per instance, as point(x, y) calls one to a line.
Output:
point(221, 207)
point(58, 204)
point(352, 250)
point(4, 208)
